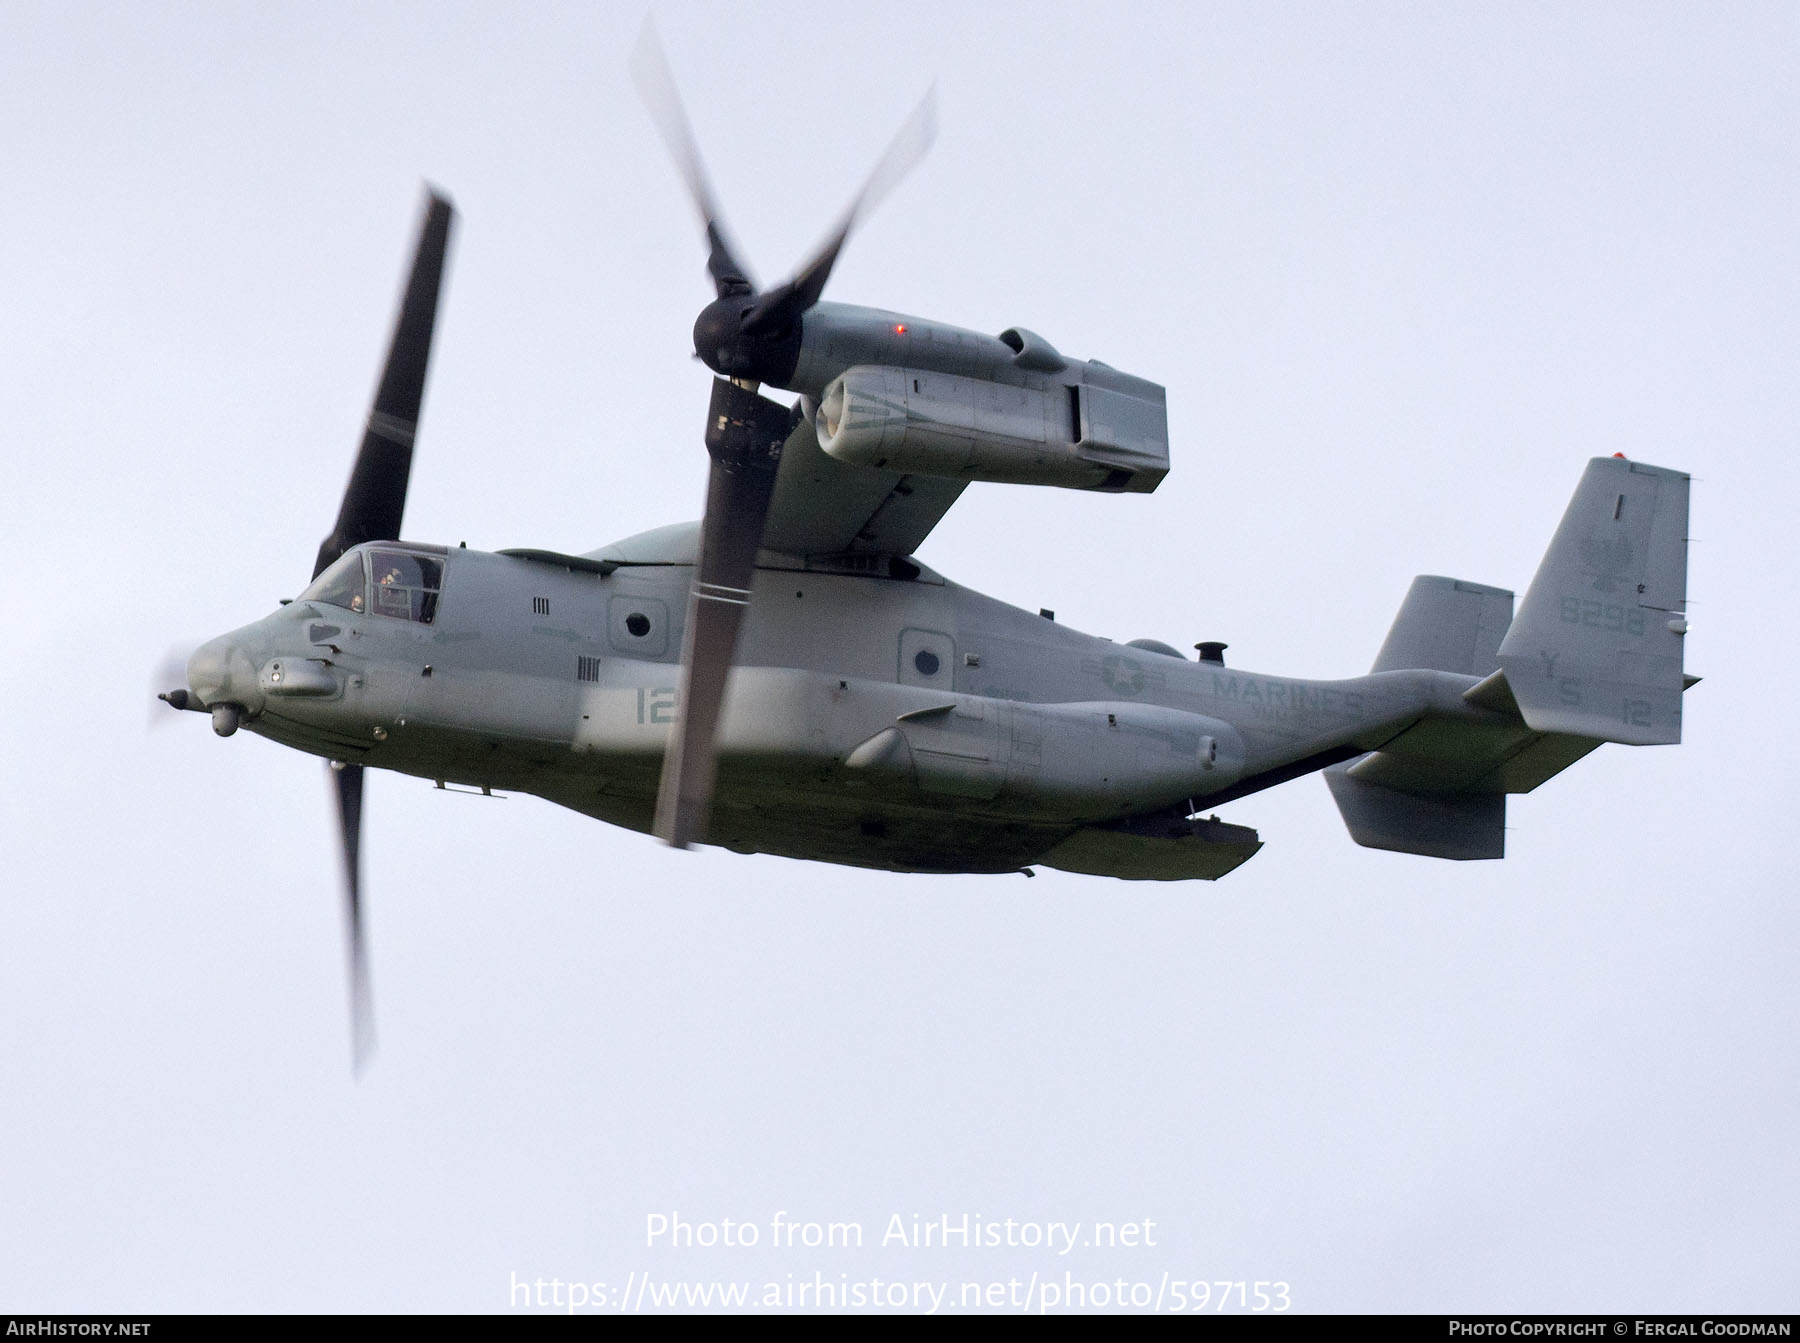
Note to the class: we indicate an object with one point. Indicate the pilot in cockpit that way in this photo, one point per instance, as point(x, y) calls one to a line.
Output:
point(391, 591)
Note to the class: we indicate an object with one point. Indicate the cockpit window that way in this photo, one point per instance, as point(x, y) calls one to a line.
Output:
point(340, 585)
point(405, 585)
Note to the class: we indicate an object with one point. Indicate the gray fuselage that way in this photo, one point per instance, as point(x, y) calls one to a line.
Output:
point(886, 719)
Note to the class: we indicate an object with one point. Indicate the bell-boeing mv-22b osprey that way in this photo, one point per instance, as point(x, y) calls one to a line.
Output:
point(783, 677)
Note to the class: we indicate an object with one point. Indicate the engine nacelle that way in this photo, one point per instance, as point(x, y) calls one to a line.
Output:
point(1091, 428)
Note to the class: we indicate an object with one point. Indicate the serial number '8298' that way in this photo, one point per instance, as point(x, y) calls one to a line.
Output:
point(1603, 616)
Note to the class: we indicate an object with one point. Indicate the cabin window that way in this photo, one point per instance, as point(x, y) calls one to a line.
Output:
point(405, 586)
point(395, 583)
point(637, 625)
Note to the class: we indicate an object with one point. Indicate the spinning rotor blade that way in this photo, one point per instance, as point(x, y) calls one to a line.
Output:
point(656, 85)
point(776, 310)
point(374, 501)
point(376, 494)
point(744, 437)
point(168, 683)
point(347, 783)
point(744, 333)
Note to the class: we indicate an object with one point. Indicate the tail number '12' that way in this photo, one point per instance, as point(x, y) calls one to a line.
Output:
point(656, 705)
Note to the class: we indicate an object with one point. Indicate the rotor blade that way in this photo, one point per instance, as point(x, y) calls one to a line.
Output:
point(662, 99)
point(347, 781)
point(376, 495)
point(775, 310)
point(744, 437)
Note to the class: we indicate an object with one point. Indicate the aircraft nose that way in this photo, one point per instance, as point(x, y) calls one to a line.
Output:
point(208, 670)
point(220, 673)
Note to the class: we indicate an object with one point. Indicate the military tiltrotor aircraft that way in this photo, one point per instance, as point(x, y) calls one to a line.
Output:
point(783, 677)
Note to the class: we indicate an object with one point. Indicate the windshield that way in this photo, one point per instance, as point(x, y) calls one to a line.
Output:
point(340, 585)
point(405, 585)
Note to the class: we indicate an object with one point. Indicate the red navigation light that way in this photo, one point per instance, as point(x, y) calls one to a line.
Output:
point(899, 328)
point(1622, 457)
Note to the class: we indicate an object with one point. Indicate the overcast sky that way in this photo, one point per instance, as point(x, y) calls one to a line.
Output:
point(1402, 269)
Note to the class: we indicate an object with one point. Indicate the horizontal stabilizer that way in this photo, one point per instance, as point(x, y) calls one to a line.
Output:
point(1443, 825)
point(1597, 646)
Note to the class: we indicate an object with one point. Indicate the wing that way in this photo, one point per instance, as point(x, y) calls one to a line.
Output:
point(826, 507)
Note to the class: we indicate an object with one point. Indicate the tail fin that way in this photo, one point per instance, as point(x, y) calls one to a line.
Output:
point(1596, 648)
point(1594, 655)
point(1435, 825)
point(1447, 625)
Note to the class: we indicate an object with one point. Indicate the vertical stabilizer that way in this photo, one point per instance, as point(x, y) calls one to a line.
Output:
point(1597, 645)
point(1459, 826)
point(1448, 625)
